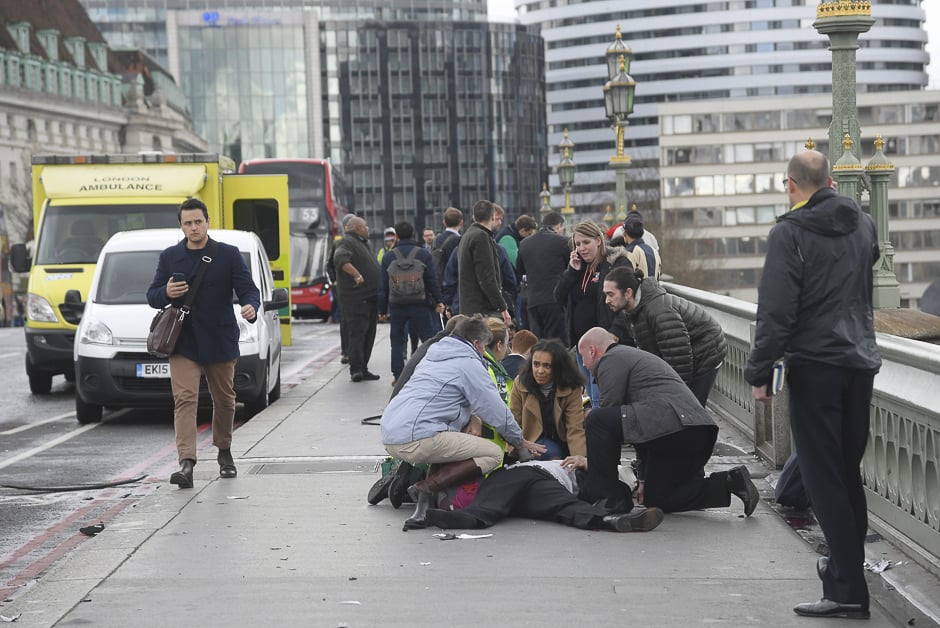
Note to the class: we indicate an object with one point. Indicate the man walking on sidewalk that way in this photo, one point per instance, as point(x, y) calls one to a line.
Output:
point(815, 308)
point(209, 340)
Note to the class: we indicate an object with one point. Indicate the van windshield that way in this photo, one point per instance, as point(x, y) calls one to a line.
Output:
point(124, 277)
point(74, 234)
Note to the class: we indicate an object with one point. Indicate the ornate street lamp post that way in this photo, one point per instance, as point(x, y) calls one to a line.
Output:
point(618, 104)
point(546, 198)
point(566, 171)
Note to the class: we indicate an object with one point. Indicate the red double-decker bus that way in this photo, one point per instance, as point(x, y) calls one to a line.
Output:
point(317, 206)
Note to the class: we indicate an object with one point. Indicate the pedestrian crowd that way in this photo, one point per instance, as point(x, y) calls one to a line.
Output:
point(543, 354)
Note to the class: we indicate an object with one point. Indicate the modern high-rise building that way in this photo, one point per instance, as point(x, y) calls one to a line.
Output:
point(421, 104)
point(692, 50)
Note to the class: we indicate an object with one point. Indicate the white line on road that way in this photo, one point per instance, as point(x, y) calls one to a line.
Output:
point(49, 445)
point(30, 426)
point(299, 368)
point(11, 355)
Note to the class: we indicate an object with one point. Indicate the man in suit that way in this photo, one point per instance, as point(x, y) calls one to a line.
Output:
point(815, 308)
point(209, 340)
point(542, 259)
point(645, 403)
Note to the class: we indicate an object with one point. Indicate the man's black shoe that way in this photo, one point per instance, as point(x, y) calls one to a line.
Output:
point(356, 376)
point(828, 608)
point(740, 485)
point(822, 566)
point(379, 490)
point(226, 464)
point(401, 480)
point(344, 359)
point(370, 376)
point(639, 519)
point(184, 477)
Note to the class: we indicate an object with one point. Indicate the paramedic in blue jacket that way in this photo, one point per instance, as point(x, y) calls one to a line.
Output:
point(436, 418)
point(209, 341)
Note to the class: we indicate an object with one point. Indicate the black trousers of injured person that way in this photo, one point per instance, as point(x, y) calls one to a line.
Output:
point(672, 466)
point(524, 491)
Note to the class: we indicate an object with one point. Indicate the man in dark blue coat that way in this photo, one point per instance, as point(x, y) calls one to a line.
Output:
point(209, 340)
point(815, 309)
point(404, 314)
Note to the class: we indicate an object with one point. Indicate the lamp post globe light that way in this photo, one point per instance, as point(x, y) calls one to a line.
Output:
point(619, 92)
point(566, 171)
point(546, 198)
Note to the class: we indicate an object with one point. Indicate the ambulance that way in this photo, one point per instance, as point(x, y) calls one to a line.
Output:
point(80, 201)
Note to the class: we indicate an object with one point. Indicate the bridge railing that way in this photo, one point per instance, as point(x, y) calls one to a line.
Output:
point(901, 467)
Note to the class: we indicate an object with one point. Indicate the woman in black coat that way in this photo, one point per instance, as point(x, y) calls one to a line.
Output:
point(581, 286)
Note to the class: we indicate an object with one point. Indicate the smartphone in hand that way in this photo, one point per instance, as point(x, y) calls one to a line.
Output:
point(178, 277)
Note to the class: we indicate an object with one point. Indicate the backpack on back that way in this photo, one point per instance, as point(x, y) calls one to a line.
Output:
point(439, 256)
point(406, 278)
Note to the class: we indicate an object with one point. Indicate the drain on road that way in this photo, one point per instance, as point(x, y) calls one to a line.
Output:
point(309, 467)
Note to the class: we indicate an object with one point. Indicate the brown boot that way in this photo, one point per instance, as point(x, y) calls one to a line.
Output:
point(444, 476)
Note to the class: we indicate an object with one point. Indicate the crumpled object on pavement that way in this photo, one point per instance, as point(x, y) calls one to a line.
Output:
point(878, 567)
point(450, 536)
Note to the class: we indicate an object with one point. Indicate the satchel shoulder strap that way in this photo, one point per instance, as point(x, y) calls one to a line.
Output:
point(204, 262)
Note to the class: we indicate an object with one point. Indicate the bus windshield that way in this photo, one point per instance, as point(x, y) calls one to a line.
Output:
point(309, 253)
point(74, 234)
point(306, 185)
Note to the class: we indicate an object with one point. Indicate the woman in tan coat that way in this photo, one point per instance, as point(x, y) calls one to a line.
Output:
point(546, 401)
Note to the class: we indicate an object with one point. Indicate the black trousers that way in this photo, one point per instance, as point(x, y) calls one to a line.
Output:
point(530, 492)
point(361, 318)
point(672, 466)
point(702, 383)
point(548, 321)
point(829, 416)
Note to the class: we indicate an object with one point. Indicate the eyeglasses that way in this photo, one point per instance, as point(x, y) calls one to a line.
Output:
point(787, 179)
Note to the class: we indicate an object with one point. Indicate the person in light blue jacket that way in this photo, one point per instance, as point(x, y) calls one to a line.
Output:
point(438, 415)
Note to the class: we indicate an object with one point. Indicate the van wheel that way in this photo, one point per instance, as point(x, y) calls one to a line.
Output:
point(87, 412)
point(40, 382)
point(275, 393)
point(260, 402)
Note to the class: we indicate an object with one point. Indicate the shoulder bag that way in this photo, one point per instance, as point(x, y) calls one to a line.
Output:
point(167, 324)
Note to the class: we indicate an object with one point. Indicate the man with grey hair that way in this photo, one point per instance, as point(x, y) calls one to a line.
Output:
point(645, 403)
point(357, 283)
point(438, 417)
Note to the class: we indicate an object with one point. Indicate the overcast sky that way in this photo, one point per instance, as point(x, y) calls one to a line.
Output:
point(504, 10)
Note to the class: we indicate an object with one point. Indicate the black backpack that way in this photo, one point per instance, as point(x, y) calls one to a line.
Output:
point(406, 278)
point(439, 255)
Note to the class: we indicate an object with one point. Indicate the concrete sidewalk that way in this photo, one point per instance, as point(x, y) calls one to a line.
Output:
point(292, 542)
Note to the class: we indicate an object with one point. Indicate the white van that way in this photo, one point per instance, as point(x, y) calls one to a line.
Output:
point(112, 366)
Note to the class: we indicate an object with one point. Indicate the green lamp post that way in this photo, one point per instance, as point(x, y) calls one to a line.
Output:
point(566, 171)
point(618, 104)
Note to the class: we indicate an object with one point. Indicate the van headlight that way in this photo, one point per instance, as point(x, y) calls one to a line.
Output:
point(247, 332)
point(95, 333)
point(38, 309)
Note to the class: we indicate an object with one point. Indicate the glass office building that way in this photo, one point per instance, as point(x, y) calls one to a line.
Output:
point(421, 104)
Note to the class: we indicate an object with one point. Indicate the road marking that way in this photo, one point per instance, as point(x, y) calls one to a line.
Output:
point(11, 355)
point(289, 375)
point(30, 426)
point(49, 445)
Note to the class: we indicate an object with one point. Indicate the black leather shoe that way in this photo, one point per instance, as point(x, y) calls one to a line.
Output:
point(822, 566)
point(401, 480)
point(828, 608)
point(226, 464)
point(379, 490)
point(184, 477)
point(740, 485)
point(370, 376)
point(344, 359)
point(356, 376)
point(639, 519)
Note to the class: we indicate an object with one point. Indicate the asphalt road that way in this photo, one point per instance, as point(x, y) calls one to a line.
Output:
point(43, 449)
